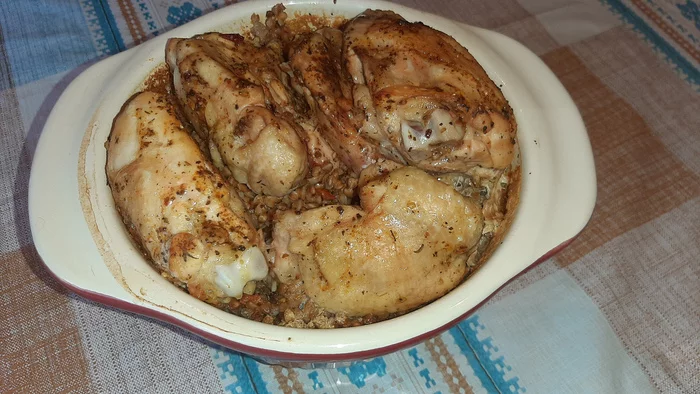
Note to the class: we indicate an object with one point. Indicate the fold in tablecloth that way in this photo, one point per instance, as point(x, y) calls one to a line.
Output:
point(618, 311)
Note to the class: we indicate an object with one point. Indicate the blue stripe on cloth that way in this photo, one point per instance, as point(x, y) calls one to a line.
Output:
point(682, 64)
point(686, 12)
point(468, 352)
point(360, 371)
point(484, 350)
point(256, 376)
point(102, 25)
point(43, 38)
point(233, 373)
point(109, 15)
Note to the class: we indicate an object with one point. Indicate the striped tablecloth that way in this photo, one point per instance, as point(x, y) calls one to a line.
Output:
point(616, 312)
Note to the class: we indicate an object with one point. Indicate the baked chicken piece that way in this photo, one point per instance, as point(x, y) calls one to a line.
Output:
point(234, 95)
point(178, 208)
point(426, 95)
point(407, 245)
point(315, 60)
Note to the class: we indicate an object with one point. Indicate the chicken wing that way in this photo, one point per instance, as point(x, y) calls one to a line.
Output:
point(182, 213)
point(229, 90)
point(426, 95)
point(407, 245)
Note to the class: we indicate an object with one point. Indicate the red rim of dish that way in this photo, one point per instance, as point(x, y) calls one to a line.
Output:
point(273, 356)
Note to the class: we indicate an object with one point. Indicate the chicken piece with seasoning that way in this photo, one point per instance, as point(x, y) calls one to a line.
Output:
point(426, 95)
point(234, 95)
point(177, 207)
point(315, 60)
point(407, 245)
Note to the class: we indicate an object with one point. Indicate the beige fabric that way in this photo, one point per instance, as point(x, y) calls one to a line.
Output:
point(40, 346)
point(14, 176)
point(638, 256)
point(531, 33)
point(569, 22)
point(638, 177)
point(486, 14)
point(628, 67)
point(652, 299)
point(137, 354)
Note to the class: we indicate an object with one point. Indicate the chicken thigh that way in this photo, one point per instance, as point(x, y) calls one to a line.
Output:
point(178, 208)
point(426, 95)
point(407, 245)
point(234, 95)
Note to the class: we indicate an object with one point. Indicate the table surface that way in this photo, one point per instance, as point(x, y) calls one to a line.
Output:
point(617, 311)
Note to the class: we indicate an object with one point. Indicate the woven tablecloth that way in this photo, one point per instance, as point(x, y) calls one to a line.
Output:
point(618, 311)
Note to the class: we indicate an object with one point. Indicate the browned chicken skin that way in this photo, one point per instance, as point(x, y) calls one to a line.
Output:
point(315, 60)
point(426, 95)
point(407, 245)
point(183, 214)
point(233, 94)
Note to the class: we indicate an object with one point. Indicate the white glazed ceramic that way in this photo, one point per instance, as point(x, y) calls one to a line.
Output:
point(83, 243)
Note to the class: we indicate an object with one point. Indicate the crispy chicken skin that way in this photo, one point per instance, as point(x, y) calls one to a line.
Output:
point(315, 60)
point(407, 245)
point(426, 95)
point(183, 214)
point(232, 93)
